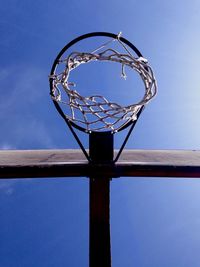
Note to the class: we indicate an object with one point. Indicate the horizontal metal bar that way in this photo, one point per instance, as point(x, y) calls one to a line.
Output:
point(71, 163)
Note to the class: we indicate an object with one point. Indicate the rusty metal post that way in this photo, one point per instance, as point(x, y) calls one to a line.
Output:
point(101, 151)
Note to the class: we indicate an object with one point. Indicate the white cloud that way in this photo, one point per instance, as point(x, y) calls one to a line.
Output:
point(7, 186)
point(24, 96)
point(20, 86)
point(6, 146)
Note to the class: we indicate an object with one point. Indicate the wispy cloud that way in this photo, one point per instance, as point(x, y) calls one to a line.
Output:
point(7, 187)
point(19, 86)
point(23, 100)
point(6, 146)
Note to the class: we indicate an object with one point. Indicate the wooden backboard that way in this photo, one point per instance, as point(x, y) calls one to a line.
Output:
point(72, 163)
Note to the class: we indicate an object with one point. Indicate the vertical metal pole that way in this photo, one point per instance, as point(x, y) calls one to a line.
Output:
point(101, 150)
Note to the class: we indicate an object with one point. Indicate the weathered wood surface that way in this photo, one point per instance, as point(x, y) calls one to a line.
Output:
point(72, 163)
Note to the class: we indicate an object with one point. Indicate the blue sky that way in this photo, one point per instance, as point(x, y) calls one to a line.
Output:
point(154, 222)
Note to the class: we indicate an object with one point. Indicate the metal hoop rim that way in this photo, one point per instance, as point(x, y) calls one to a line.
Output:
point(65, 48)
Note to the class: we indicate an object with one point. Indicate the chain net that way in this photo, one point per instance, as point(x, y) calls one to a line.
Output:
point(96, 113)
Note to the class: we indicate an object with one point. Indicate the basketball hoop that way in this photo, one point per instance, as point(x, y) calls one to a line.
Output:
point(96, 113)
